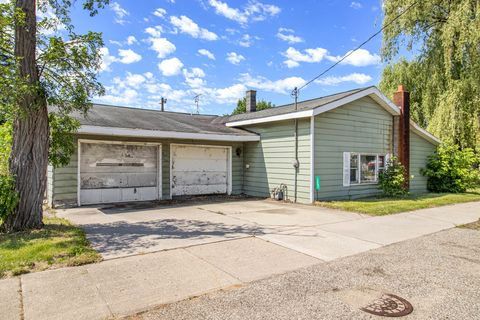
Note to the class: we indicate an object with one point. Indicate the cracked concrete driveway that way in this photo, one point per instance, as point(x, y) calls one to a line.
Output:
point(122, 231)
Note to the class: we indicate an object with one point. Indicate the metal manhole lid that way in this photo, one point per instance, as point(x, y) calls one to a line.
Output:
point(389, 305)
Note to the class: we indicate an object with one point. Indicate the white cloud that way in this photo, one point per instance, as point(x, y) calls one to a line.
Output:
point(356, 5)
point(160, 12)
point(125, 97)
point(310, 55)
point(186, 25)
point(135, 80)
point(206, 53)
point(120, 13)
point(193, 78)
point(107, 59)
point(154, 31)
point(125, 57)
point(128, 56)
point(358, 78)
point(288, 36)
point(247, 40)
point(223, 9)
point(254, 10)
point(359, 58)
point(234, 58)
point(280, 86)
point(131, 40)
point(170, 67)
point(229, 94)
point(162, 46)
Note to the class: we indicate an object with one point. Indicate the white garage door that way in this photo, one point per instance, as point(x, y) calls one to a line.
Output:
point(198, 170)
point(118, 173)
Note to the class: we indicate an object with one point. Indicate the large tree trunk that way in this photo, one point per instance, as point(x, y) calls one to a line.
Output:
point(29, 155)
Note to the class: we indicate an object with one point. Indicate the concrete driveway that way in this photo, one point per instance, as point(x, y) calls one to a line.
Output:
point(118, 231)
point(322, 233)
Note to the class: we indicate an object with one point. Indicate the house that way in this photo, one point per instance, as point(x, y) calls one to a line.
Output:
point(344, 139)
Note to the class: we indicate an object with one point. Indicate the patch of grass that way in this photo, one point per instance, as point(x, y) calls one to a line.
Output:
point(474, 225)
point(58, 244)
point(384, 206)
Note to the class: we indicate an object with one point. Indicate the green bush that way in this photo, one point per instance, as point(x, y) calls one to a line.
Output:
point(392, 179)
point(8, 197)
point(451, 169)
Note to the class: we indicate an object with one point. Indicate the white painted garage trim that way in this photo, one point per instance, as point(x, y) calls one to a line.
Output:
point(312, 159)
point(142, 133)
point(229, 160)
point(159, 160)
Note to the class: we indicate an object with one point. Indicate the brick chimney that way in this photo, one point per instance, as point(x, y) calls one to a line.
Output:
point(402, 99)
point(251, 101)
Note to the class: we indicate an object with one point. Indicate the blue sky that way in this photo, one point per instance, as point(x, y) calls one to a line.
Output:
point(220, 48)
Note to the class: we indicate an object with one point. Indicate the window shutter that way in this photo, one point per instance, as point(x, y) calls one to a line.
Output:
point(388, 156)
point(346, 169)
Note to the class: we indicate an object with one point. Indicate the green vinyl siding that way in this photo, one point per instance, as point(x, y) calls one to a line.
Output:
point(361, 126)
point(420, 149)
point(64, 180)
point(270, 160)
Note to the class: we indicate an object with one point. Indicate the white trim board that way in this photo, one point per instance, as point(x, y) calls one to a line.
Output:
point(373, 92)
point(312, 159)
point(424, 133)
point(141, 133)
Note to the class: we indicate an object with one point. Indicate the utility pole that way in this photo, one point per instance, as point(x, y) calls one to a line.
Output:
point(163, 101)
point(197, 100)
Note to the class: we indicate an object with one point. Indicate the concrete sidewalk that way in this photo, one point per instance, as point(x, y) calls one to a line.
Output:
point(127, 285)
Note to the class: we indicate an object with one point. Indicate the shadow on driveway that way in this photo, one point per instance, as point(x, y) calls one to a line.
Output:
point(126, 238)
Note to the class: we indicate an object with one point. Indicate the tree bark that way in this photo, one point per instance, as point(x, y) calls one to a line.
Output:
point(29, 155)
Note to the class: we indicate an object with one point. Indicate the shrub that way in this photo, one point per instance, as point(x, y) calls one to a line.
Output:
point(451, 169)
point(392, 179)
point(8, 197)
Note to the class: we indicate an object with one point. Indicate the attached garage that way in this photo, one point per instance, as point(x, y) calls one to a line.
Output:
point(200, 169)
point(118, 172)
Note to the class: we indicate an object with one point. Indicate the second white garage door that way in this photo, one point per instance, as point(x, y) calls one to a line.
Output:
point(200, 170)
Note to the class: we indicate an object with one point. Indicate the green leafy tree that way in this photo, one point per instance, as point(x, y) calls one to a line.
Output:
point(443, 73)
point(451, 169)
point(242, 106)
point(44, 62)
point(392, 179)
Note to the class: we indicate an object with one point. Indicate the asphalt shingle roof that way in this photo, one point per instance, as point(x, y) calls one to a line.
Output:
point(289, 108)
point(135, 118)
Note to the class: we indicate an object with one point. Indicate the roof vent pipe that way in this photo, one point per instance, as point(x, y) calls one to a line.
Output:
point(251, 101)
point(402, 99)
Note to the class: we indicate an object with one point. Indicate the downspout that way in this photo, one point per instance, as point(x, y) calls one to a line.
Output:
point(296, 163)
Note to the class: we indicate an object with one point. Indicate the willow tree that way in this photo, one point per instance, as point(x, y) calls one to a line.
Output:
point(46, 63)
point(443, 40)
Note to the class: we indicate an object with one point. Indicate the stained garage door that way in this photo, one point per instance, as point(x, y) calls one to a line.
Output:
point(118, 173)
point(197, 170)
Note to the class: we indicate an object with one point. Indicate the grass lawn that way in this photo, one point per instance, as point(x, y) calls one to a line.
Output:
point(59, 244)
point(384, 206)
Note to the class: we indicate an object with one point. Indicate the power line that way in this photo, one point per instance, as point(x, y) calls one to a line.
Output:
point(296, 91)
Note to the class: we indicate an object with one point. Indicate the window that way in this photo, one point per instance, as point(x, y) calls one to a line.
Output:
point(364, 168)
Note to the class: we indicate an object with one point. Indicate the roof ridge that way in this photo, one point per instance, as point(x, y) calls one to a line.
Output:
point(153, 110)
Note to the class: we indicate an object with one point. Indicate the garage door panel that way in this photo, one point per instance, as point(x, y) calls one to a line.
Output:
point(211, 165)
point(116, 173)
point(122, 180)
point(198, 170)
point(199, 189)
point(199, 153)
point(189, 178)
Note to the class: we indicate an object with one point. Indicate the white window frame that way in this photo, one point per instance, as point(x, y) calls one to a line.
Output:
point(359, 164)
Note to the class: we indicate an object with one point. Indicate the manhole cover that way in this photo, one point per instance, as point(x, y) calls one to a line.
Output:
point(389, 305)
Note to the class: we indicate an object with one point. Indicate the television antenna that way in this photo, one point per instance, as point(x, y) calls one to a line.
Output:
point(197, 100)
